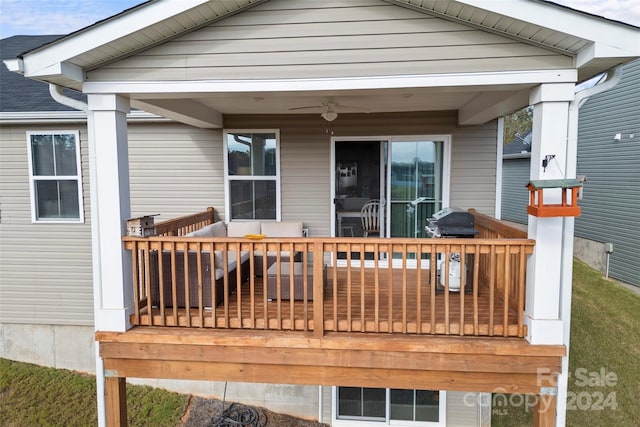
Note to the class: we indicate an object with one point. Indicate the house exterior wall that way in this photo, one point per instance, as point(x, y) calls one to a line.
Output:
point(306, 150)
point(175, 170)
point(515, 197)
point(35, 259)
point(329, 39)
point(611, 195)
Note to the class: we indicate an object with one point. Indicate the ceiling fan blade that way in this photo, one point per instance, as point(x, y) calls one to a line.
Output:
point(306, 108)
point(350, 107)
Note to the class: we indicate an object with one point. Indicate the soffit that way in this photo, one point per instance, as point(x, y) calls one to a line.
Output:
point(499, 23)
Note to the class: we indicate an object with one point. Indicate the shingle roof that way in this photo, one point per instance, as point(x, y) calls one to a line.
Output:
point(20, 94)
point(519, 145)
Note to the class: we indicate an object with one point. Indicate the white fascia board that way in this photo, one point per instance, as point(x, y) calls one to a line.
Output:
point(608, 33)
point(39, 60)
point(9, 117)
point(14, 65)
point(595, 51)
point(345, 83)
point(70, 71)
point(39, 117)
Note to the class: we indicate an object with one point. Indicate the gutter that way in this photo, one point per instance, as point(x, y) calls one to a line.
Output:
point(568, 225)
point(61, 98)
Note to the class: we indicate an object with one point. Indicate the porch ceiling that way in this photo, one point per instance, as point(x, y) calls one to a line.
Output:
point(347, 101)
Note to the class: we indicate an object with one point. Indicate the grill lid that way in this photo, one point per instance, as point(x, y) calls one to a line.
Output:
point(453, 217)
point(455, 230)
point(451, 222)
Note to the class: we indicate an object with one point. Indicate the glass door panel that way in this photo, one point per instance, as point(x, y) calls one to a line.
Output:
point(415, 185)
point(357, 181)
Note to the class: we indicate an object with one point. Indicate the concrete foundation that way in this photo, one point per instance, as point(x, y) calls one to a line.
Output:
point(591, 253)
point(55, 346)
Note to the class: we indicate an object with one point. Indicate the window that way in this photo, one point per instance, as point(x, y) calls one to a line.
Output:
point(252, 174)
point(361, 406)
point(55, 176)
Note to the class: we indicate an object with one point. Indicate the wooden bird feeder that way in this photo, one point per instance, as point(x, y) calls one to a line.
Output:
point(568, 206)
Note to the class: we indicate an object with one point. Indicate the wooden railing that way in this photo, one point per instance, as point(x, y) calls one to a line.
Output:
point(379, 285)
point(510, 278)
point(185, 224)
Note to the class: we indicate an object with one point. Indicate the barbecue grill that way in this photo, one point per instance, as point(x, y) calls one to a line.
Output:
point(454, 223)
point(451, 222)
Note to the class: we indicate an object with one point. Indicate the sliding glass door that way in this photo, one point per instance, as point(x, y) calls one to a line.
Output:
point(415, 184)
point(409, 176)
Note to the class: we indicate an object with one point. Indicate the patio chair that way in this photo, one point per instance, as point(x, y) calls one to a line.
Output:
point(370, 217)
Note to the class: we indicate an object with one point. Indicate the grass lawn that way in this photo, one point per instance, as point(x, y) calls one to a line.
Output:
point(31, 395)
point(604, 388)
point(604, 356)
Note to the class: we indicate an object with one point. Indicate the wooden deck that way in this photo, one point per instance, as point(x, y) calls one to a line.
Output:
point(370, 324)
point(356, 304)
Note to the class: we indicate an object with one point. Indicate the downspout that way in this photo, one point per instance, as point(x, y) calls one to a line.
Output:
point(566, 272)
point(58, 96)
point(61, 98)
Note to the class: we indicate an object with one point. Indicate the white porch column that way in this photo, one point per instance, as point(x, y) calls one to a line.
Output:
point(110, 206)
point(544, 268)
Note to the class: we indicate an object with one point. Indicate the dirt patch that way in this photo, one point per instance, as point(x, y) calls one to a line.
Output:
point(202, 412)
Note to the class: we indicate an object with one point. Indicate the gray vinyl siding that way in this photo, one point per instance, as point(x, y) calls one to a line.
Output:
point(515, 197)
point(460, 413)
point(611, 198)
point(175, 170)
point(305, 147)
point(45, 269)
point(304, 39)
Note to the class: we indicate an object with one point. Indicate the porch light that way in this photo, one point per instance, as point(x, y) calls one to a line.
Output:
point(569, 200)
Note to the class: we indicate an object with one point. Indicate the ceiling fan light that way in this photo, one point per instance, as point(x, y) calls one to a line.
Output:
point(329, 115)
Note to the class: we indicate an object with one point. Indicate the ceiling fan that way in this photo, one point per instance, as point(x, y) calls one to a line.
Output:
point(329, 109)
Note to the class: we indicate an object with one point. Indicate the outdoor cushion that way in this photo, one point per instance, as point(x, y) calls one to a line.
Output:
point(242, 228)
point(281, 228)
point(217, 229)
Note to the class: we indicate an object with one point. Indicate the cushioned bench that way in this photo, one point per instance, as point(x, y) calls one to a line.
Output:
point(216, 229)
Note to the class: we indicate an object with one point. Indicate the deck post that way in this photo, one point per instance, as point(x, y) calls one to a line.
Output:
point(115, 391)
point(548, 159)
point(318, 289)
point(544, 411)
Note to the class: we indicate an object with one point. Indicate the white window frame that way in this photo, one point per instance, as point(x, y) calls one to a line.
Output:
point(228, 179)
point(353, 422)
point(34, 178)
